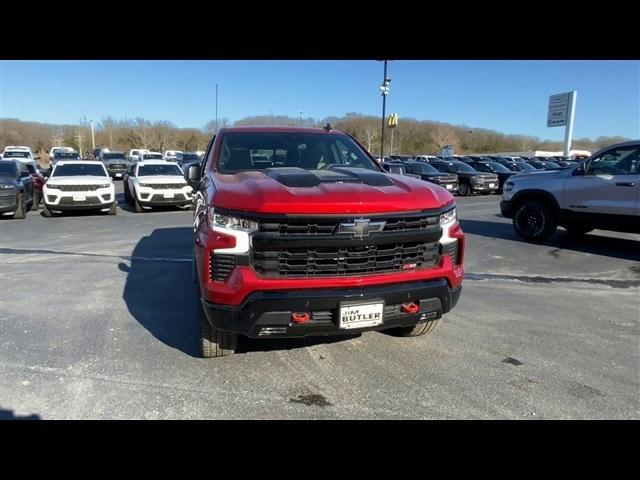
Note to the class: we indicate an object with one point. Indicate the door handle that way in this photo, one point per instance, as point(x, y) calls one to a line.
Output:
point(625, 184)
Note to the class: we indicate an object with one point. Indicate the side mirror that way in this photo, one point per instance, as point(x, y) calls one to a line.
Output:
point(25, 174)
point(194, 175)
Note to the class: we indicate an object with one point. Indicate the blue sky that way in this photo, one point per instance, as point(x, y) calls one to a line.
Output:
point(508, 96)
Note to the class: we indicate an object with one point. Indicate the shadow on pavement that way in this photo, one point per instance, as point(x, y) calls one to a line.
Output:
point(160, 294)
point(159, 291)
point(590, 243)
point(9, 415)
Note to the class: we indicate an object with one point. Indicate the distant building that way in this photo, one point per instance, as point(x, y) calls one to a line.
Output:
point(540, 153)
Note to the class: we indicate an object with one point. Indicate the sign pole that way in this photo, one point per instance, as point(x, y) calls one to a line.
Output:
point(568, 131)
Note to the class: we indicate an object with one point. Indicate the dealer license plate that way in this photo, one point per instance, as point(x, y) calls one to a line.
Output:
point(79, 198)
point(449, 187)
point(118, 175)
point(168, 195)
point(361, 315)
point(491, 185)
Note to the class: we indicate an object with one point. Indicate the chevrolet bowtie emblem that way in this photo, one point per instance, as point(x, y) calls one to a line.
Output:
point(361, 227)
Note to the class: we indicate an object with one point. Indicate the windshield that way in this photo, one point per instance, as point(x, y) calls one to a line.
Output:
point(460, 167)
point(146, 170)
point(8, 169)
point(311, 151)
point(189, 157)
point(113, 156)
point(524, 167)
point(552, 165)
point(16, 155)
point(422, 168)
point(66, 155)
point(496, 167)
point(79, 169)
point(152, 156)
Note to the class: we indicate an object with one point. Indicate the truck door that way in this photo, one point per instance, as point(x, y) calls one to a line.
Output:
point(607, 184)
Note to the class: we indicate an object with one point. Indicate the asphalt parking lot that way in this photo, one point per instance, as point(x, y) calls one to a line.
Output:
point(98, 321)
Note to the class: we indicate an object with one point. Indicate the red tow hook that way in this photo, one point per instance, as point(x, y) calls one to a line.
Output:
point(300, 317)
point(410, 308)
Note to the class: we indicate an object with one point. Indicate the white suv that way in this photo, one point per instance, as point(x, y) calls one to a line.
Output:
point(22, 154)
point(78, 185)
point(156, 183)
point(602, 191)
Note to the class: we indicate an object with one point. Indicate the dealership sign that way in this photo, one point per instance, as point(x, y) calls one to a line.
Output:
point(559, 109)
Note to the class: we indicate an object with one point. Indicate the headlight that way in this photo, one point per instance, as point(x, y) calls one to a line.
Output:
point(448, 217)
point(508, 186)
point(51, 185)
point(104, 185)
point(5, 186)
point(234, 223)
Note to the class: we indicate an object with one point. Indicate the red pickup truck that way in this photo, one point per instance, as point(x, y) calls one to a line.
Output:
point(299, 231)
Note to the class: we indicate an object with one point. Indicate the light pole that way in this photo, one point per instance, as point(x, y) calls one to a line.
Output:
point(93, 138)
point(384, 89)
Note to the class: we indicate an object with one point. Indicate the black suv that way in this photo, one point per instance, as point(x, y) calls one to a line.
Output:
point(16, 188)
point(469, 179)
point(429, 173)
point(489, 166)
point(115, 162)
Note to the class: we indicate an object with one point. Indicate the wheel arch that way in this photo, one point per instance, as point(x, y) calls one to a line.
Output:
point(538, 195)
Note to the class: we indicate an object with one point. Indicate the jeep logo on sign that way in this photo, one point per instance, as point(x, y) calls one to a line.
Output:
point(361, 227)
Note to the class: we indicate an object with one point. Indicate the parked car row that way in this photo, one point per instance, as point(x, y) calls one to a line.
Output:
point(76, 184)
point(473, 173)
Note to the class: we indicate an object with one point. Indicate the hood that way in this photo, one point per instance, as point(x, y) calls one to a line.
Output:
point(78, 180)
point(336, 191)
point(152, 179)
point(565, 172)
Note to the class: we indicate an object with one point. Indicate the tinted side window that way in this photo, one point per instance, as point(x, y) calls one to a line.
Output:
point(617, 161)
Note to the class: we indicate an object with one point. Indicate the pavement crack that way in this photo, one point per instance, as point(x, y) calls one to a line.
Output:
point(539, 279)
point(25, 251)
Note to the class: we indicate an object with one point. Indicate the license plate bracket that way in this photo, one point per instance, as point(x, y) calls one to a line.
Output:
point(360, 314)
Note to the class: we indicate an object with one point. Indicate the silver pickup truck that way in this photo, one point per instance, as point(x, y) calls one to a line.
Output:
point(602, 191)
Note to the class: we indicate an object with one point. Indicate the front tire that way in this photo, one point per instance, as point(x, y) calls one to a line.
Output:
point(416, 330)
point(113, 210)
point(136, 204)
point(21, 209)
point(36, 200)
point(464, 190)
point(534, 222)
point(127, 195)
point(45, 211)
point(214, 342)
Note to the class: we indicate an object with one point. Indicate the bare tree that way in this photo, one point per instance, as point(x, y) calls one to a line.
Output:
point(443, 135)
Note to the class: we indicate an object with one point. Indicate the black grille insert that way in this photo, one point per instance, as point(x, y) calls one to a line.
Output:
point(345, 260)
point(79, 188)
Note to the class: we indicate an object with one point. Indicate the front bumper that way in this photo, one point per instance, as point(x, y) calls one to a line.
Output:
point(268, 313)
point(151, 197)
point(485, 188)
point(62, 201)
point(506, 208)
point(7, 201)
